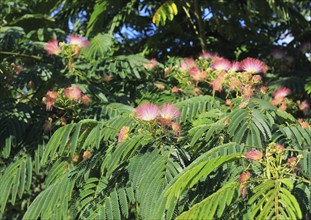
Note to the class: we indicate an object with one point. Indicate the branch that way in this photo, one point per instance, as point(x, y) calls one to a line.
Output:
point(200, 30)
point(197, 14)
point(21, 54)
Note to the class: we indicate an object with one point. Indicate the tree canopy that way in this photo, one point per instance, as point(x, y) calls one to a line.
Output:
point(139, 109)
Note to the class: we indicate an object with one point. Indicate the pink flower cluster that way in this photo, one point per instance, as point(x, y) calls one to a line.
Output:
point(279, 96)
point(52, 47)
point(165, 115)
point(78, 41)
point(152, 64)
point(50, 99)
point(221, 73)
point(237, 76)
point(249, 65)
point(72, 93)
point(188, 65)
point(149, 112)
point(208, 55)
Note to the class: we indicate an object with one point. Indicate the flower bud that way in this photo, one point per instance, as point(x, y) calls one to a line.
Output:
point(244, 177)
point(254, 155)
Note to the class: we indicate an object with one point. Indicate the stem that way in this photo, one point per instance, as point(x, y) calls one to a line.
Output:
point(276, 200)
point(197, 14)
point(21, 54)
point(189, 17)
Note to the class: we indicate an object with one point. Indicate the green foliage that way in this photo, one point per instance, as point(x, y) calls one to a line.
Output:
point(296, 135)
point(249, 126)
point(16, 180)
point(214, 204)
point(78, 142)
point(100, 47)
point(166, 11)
point(192, 107)
point(47, 202)
point(308, 86)
point(273, 199)
point(126, 66)
point(189, 177)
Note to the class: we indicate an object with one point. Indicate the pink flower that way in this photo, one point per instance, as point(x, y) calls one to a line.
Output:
point(165, 122)
point(159, 86)
point(244, 177)
point(73, 93)
point(243, 191)
point(50, 99)
point(279, 147)
point(221, 64)
point(208, 55)
point(235, 66)
point(152, 64)
point(235, 84)
point(85, 100)
point(292, 160)
point(79, 41)
point(123, 134)
point(304, 106)
point(304, 124)
point(283, 107)
point(176, 128)
point(217, 83)
point(187, 63)
point(252, 65)
point(256, 79)
point(197, 74)
point(17, 68)
point(176, 90)
point(169, 111)
point(229, 103)
point(281, 93)
point(248, 91)
point(263, 89)
point(147, 112)
point(52, 47)
point(253, 155)
point(276, 101)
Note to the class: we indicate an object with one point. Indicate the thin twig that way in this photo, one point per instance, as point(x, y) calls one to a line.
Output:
point(197, 14)
point(21, 54)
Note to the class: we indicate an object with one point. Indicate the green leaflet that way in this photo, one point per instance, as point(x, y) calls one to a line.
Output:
point(215, 202)
point(273, 199)
point(15, 181)
point(46, 202)
point(201, 167)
